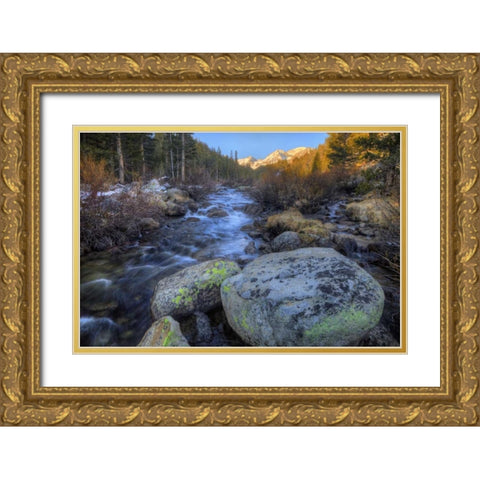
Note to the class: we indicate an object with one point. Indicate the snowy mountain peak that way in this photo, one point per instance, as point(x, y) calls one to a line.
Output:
point(247, 161)
point(274, 157)
point(296, 151)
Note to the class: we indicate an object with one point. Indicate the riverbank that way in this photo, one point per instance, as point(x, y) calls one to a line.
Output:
point(122, 214)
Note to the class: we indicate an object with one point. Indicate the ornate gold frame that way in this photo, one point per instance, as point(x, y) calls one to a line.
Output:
point(24, 77)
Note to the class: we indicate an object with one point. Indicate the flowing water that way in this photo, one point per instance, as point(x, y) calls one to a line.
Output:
point(116, 286)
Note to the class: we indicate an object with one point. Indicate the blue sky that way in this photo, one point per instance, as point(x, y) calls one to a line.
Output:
point(259, 144)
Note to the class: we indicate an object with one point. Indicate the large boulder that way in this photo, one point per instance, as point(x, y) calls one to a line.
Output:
point(156, 201)
point(306, 297)
point(286, 241)
point(174, 209)
point(165, 332)
point(178, 196)
point(178, 202)
point(377, 211)
point(169, 205)
point(195, 288)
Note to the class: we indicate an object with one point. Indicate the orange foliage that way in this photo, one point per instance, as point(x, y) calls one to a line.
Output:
point(290, 187)
point(94, 174)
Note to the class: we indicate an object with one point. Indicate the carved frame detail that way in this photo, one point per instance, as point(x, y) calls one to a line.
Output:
point(24, 77)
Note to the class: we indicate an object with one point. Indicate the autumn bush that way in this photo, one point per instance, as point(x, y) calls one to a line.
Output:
point(94, 175)
point(283, 189)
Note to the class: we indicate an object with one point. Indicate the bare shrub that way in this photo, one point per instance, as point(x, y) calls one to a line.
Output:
point(388, 252)
point(105, 223)
point(284, 188)
point(198, 192)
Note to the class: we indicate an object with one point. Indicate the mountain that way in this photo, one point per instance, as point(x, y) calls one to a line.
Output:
point(274, 157)
point(247, 161)
point(278, 156)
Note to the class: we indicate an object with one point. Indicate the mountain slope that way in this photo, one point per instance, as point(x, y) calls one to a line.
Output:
point(276, 157)
point(247, 161)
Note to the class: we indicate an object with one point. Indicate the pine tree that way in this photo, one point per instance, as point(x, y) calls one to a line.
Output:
point(383, 151)
point(338, 150)
point(182, 135)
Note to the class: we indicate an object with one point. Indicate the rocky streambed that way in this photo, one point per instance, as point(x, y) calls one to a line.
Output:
point(221, 274)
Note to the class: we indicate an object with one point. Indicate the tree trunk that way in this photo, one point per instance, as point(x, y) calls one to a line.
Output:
point(171, 158)
point(121, 162)
point(144, 166)
point(183, 158)
point(177, 163)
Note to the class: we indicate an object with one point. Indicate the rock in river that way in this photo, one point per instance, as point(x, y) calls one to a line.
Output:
point(216, 212)
point(174, 209)
point(195, 288)
point(164, 333)
point(177, 202)
point(250, 249)
point(306, 297)
point(286, 241)
point(377, 211)
point(178, 196)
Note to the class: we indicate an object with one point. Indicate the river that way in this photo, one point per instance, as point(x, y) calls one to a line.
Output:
point(117, 285)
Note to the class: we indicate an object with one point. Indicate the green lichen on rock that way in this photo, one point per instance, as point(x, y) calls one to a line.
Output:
point(215, 276)
point(245, 325)
point(195, 288)
point(165, 332)
point(334, 329)
point(168, 339)
point(242, 323)
point(183, 298)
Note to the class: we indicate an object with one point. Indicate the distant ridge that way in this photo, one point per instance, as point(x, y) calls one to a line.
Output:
point(275, 157)
point(247, 161)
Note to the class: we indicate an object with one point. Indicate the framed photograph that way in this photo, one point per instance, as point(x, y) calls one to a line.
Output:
point(239, 239)
point(296, 232)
